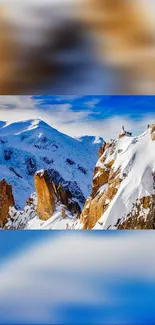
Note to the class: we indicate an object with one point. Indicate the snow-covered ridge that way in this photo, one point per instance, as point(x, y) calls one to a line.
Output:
point(31, 145)
point(124, 178)
point(137, 163)
point(90, 139)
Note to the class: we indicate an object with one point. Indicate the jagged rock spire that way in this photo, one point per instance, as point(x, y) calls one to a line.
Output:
point(45, 195)
point(124, 133)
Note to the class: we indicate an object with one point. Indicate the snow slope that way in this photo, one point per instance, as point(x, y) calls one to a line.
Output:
point(135, 157)
point(28, 218)
point(55, 222)
point(31, 145)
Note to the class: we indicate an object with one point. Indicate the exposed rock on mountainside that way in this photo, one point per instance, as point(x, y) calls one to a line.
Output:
point(31, 166)
point(45, 195)
point(124, 133)
point(6, 201)
point(48, 194)
point(18, 219)
point(104, 187)
point(50, 204)
point(153, 132)
point(72, 186)
point(65, 198)
point(123, 188)
point(142, 215)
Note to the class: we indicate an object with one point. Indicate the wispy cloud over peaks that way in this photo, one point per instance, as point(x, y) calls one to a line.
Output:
point(83, 115)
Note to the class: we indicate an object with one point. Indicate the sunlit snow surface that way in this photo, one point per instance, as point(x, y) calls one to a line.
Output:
point(135, 157)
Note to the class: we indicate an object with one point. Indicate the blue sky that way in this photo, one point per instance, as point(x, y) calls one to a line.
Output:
point(83, 115)
point(135, 106)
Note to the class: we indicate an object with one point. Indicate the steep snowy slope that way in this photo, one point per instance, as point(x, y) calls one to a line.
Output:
point(123, 193)
point(137, 164)
point(32, 145)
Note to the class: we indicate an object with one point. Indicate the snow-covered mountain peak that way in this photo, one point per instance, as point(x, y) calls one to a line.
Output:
point(16, 128)
point(31, 145)
point(90, 139)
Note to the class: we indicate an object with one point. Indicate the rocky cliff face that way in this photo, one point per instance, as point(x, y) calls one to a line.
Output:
point(45, 195)
point(50, 203)
point(70, 186)
point(6, 201)
point(123, 187)
point(152, 132)
point(65, 198)
point(49, 194)
point(104, 186)
point(142, 215)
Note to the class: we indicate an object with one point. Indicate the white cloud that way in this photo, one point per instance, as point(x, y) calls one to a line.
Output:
point(58, 116)
point(17, 102)
point(107, 128)
point(73, 123)
point(70, 250)
point(92, 103)
point(74, 268)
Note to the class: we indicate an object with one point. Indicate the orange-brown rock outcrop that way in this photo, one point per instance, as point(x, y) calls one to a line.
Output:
point(104, 187)
point(65, 198)
point(6, 201)
point(142, 215)
point(101, 150)
point(49, 195)
point(45, 195)
point(153, 132)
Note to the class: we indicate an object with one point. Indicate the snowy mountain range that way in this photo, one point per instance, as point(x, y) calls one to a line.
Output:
point(121, 195)
point(28, 146)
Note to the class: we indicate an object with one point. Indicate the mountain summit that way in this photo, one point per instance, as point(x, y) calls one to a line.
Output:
point(31, 145)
